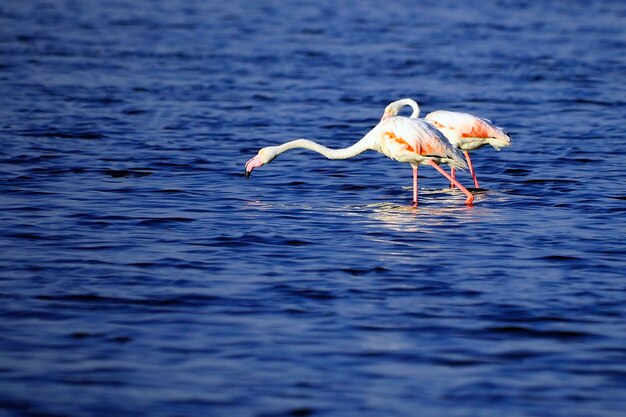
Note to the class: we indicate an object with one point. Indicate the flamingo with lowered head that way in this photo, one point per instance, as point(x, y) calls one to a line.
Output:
point(463, 130)
point(402, 139)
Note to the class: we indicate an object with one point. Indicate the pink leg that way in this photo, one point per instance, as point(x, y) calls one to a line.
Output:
point(471, 168)
point(415, 186)
point(470, 197)
point(453, 175)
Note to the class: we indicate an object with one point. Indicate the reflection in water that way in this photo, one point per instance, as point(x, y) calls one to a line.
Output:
point(427, 217)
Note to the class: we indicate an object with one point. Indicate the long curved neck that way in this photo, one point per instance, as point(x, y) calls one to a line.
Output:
point(412, 104)
point(366, 143)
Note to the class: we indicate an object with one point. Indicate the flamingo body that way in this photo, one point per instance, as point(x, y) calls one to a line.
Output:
point(468, 132)
point(416, 142)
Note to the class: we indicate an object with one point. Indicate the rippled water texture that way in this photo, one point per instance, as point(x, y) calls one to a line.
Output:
point(141, 274)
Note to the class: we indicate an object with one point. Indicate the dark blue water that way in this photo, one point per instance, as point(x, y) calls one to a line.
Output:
point(141, 274)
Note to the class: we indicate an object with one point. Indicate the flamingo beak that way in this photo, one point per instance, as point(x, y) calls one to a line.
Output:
point(385, 116)
point(251, 164)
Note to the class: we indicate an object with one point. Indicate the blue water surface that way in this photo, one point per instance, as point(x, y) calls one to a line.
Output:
point(142, 274)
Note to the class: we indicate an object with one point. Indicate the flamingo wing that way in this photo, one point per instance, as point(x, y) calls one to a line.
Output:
point(414, 140)
point(467, 131)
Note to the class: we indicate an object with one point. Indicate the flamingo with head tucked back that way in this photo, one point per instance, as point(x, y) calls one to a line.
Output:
point(402, 139)
point(463, 130)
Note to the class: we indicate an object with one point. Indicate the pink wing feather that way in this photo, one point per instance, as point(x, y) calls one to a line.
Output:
point(414, 140)
point(467, 131)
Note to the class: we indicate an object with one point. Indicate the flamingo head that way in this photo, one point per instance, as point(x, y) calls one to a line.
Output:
point(265, 156)
point(393, 109)
point(390, 111)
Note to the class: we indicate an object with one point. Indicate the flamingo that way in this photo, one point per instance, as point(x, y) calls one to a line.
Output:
point(402, 139)
point(463, 130)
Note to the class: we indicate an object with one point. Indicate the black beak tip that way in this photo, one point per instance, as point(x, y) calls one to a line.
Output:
point(247, 174)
